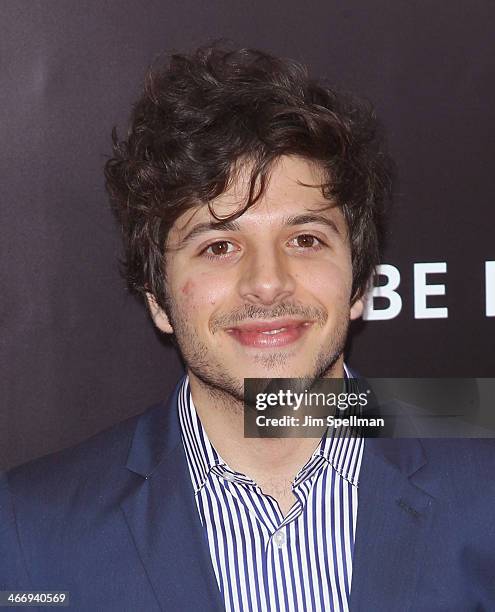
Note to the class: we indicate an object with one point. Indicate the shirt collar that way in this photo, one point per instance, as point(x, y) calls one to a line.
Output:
point(342, 446)
point(341, 450)
point(200, 454)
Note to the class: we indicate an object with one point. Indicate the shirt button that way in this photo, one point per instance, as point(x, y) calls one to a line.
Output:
point(229, 476)
point(279, 538)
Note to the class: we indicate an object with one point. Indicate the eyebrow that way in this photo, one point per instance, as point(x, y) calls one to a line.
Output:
point(233, 226)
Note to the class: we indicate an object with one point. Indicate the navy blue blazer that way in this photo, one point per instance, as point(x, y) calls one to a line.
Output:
point(114, 521)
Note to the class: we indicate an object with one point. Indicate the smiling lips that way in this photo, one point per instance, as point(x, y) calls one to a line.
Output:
point(269, 334)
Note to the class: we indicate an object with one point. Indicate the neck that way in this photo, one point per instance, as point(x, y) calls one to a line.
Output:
point(222, 416)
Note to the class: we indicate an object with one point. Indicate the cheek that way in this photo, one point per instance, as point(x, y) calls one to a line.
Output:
point(328, 283)
point(201, 292)
point(187, 288)
point(187, 298)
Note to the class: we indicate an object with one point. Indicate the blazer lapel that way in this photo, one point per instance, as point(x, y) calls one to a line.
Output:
point(162, 515)
point(394, 516)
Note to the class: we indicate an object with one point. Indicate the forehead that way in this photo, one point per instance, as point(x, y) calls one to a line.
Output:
point(293, 187)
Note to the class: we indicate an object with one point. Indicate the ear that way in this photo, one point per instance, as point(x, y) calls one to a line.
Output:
point(158, 315)
point(356, 309)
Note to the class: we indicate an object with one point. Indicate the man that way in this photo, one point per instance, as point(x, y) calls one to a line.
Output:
point(250, 199)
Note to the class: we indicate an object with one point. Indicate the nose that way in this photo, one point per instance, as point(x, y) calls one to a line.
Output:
point(266, 277)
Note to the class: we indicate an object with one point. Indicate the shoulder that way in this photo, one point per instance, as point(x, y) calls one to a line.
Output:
point(49, 507)
point(96, 461)
point(460, 471)
point(466, 455)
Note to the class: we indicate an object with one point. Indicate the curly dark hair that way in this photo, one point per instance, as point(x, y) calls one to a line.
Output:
point(202, 113)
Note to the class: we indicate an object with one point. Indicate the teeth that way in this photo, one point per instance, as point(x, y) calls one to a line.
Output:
point(274, 331)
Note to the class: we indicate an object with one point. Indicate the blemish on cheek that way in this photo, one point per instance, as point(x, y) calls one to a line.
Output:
point(187, 288)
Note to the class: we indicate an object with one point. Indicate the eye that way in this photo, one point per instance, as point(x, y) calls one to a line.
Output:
point(307, 241)
point(218, 249)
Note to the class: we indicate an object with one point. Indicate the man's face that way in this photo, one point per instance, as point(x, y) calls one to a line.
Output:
point(267, 296)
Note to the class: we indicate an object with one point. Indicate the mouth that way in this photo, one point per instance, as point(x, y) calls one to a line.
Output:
point(269, 334)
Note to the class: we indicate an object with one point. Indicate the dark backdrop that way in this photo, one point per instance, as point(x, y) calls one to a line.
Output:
point(78, 353)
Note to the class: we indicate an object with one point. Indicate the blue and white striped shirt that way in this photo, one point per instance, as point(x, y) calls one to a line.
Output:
point(261, 559)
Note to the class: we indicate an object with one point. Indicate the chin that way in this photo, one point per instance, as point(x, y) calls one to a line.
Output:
point(273, 369)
